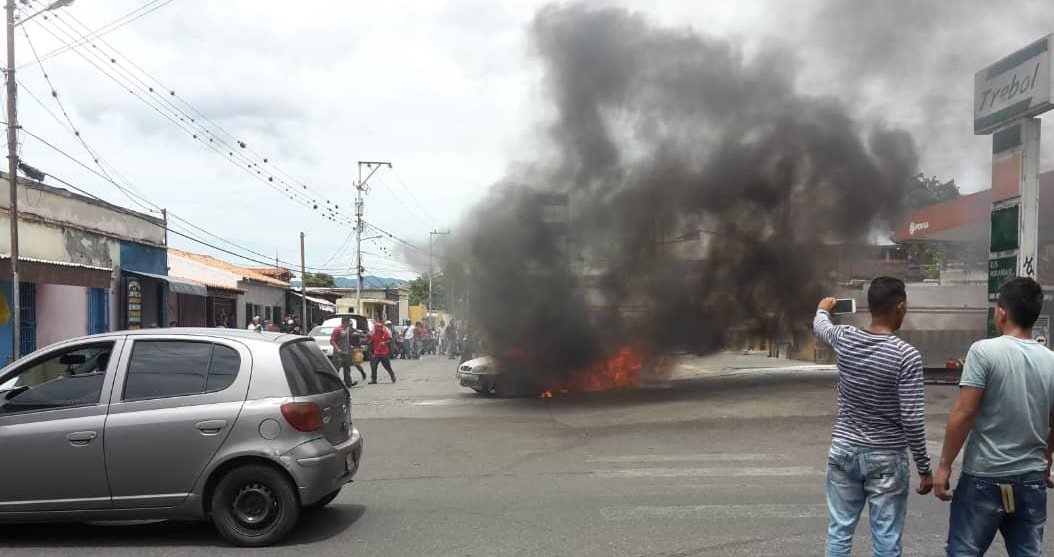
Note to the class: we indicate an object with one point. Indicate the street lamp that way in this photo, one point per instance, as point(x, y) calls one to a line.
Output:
point(51, 7)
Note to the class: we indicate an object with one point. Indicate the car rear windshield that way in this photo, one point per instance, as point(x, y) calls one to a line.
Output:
point(307, 369)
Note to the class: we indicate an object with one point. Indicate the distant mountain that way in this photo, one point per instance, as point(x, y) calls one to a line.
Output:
point(369, 281)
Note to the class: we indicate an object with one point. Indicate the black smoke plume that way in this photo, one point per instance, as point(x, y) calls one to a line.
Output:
point(701, 191)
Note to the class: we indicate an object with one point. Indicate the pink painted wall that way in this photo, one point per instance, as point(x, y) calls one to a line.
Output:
point(62, 313)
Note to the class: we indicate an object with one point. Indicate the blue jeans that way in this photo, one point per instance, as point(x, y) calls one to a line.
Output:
point(859, 475)
point(980, 509)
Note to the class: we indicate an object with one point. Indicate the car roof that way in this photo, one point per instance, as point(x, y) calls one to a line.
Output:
point(214, 332)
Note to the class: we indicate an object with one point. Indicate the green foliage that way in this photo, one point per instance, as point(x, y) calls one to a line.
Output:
point(319, 280)
point(929, 190)
point(419, 291)
point(922, 192)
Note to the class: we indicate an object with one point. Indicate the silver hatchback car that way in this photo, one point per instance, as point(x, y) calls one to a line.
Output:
point(246, 428)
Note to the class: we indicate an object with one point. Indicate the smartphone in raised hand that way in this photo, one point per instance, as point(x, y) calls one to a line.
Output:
point(844, 305)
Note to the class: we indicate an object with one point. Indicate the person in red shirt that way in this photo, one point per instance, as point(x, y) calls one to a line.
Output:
point(379, 341)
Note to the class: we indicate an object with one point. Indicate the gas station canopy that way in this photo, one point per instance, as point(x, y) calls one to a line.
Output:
point(966, 219)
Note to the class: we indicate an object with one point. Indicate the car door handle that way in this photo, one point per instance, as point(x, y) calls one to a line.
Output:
point(211, 427)
point(81, 438)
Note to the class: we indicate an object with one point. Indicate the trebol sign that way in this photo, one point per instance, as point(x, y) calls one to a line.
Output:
point(1017, 86)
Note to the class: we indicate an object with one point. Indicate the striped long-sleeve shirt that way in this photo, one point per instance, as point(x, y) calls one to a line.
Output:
point(881, 399)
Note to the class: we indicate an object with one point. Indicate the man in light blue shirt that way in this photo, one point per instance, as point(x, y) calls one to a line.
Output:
point(1006, 400)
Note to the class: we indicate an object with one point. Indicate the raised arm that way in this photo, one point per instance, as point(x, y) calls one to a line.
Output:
point(823, 327)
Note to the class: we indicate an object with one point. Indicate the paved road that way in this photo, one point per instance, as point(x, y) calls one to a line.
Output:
point(723, 460)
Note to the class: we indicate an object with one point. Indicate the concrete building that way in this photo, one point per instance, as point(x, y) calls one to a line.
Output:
point(76, 255)
point(235, 294)
point(381, 304)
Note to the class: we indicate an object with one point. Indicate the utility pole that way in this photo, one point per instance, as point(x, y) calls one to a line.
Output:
point(12, 166)
point(303, 288)
point(361, 187)
point(12, 178)
point(431, 236)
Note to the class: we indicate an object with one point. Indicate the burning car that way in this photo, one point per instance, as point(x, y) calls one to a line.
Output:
point(480, 375)
point(621, 369)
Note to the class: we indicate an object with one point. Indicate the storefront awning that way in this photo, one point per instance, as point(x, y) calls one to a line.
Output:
point(40, 271)
point(378, 301)
point(323, 304)
point(176, 285)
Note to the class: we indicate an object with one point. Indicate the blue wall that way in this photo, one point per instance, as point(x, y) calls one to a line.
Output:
point(144, 258)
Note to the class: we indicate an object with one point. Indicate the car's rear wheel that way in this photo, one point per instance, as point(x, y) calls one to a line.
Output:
point(254, 506)
point(325, 500)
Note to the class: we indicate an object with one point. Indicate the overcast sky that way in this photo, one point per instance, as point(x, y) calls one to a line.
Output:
point(448, 91)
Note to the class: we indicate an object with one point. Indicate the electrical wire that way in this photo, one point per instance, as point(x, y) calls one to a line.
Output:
point(394, 237)
point(295, 196)
point(399, 178)
point(174, 216)
point(108, 28)
point(72, 128)
point(166, 104)
point(183, 125)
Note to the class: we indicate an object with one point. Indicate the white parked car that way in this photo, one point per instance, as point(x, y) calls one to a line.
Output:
point(321, 333)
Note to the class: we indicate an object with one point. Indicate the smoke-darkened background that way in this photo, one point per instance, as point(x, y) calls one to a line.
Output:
point(701, 187)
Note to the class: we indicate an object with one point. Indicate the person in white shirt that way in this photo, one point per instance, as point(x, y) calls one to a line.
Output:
point(256, 325)
point(409, 346)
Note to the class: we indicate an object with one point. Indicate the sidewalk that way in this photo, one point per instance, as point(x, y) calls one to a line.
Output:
point(726, 364)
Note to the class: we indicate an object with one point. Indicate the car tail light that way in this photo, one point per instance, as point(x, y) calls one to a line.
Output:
point(303, 416)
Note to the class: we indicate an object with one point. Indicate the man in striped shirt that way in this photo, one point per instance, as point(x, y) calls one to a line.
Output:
point(881, 413)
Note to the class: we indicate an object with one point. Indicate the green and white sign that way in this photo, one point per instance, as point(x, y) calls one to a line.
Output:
point(1000, 271)
point(1005, 223)
point(1015, 87)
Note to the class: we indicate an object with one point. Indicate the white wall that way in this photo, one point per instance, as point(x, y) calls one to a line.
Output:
point(62, 313)
point(259, 294)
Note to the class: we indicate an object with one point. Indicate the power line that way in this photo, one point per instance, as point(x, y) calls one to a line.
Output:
point(190, 124)
point(174, 216)
point(128, 193)
point(69, 121)
point(394, 237)
point(414, 197)
point(183, 124)
point(108, 28)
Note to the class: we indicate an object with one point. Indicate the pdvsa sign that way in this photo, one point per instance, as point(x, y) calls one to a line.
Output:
point(917, 226)
point(1015, 87)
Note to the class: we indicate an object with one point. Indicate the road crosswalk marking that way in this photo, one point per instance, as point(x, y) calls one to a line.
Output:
point(780, 471)
point(705, 512)
point(700, 457)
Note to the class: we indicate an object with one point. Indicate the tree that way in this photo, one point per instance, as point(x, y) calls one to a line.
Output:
point(419, 291)
point(319, 280)
point(924, 191)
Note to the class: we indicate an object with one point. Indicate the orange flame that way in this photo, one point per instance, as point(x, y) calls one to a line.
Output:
point(621, 370)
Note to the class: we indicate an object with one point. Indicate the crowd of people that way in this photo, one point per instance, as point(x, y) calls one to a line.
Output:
point(387, 341)
point(412, 341)
point(1004, 416)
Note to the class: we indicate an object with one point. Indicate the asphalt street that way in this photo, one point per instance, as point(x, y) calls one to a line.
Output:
point(722, 460)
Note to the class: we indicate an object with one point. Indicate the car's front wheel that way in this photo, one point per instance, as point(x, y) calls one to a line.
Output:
point(254, 506)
